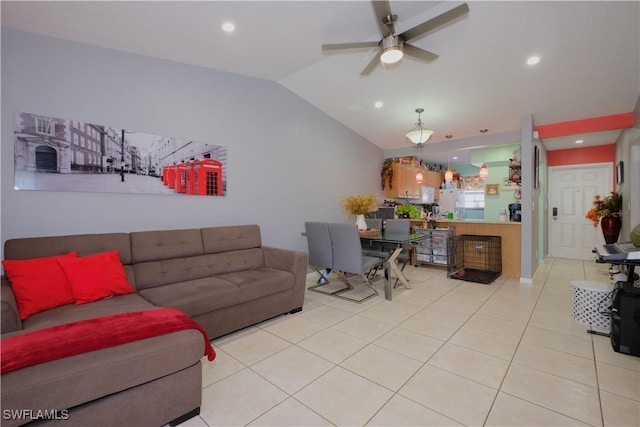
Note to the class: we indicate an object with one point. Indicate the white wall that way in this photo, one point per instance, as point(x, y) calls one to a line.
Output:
point(288, 161)
point(628, 151)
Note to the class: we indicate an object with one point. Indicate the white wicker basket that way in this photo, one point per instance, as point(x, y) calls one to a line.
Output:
point(590, 300)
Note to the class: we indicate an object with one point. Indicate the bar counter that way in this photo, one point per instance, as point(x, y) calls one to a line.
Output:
point(508, 231)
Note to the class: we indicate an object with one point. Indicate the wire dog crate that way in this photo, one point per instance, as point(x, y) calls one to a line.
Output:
point(475, 258)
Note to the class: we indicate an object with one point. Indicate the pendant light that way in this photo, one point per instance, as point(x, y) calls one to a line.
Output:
point(484, 172)
point(419, 176)
point(448, 175)
point(419, 134)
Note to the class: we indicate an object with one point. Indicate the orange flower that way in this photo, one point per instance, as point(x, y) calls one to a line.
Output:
point(609, 206)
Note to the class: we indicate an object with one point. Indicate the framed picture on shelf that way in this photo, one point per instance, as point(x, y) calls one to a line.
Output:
point(492, 189)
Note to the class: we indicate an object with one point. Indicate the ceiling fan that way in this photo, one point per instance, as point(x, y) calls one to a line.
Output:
point(393, 46)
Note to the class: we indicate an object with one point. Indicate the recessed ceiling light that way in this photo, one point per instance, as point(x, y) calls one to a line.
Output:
point(454, 158)
point(378, 104)
point(533, 60)
point(580, 141)
point(228, 27)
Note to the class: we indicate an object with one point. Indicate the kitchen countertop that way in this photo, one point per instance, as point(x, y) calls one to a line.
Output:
point(476, 221)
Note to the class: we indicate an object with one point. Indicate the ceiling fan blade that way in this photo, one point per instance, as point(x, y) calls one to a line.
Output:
point(419, 53)
point(436, 22)
point(354, 45)
point(371, 65)
point(382, 9)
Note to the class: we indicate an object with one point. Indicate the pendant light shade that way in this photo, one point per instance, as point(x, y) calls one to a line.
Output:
point(484, 172)
point(448, 175)
point(419, 177)
point(419, 134)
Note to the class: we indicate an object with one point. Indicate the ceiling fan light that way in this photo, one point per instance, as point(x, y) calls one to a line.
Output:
point(391, 55)
point(391, 49)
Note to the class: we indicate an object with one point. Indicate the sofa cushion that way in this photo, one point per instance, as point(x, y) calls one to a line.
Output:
point(199, 296)
point(80, 379)
point(83, 244)
point(95, 277)
point(165, 272)
point(72, 312)
point(39, 284)
point(232, 238)
point(167, 244)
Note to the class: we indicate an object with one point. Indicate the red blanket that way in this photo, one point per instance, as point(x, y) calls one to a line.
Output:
point(87, 335)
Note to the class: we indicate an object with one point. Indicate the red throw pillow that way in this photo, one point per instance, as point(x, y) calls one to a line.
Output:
point(39, 284)
point(95, 277)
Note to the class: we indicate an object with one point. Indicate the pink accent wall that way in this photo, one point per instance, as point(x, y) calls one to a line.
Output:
point(579, 156)
point(585, 155)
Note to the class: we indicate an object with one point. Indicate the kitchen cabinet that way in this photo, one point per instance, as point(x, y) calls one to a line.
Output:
point(509, 233)
point(433, 180)
point(404, 185)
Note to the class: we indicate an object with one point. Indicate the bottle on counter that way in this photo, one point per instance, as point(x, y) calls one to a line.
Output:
point(502, 215)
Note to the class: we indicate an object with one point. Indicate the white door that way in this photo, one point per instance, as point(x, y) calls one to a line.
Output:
point(571, 193)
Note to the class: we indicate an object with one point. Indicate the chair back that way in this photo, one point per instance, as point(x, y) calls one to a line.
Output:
point(374, 223)
point(347, 249)
point(319, 243)
point(397, 226)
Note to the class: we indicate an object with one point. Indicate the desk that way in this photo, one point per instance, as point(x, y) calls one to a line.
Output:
point(400, 241)
point(630, 263)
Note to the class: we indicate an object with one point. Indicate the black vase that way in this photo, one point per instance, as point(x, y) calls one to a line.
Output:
point(611, 228)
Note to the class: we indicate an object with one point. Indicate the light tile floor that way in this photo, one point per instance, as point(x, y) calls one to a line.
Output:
point(445, 353)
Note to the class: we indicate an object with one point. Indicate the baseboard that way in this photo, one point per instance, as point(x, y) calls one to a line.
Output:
point(526, 281)
point(185, 417)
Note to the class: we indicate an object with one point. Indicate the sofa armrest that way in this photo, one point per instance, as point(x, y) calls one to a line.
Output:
point(294, 261)
point(10, 317)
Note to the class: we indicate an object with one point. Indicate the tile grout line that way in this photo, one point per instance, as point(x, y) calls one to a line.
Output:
point(546, 277)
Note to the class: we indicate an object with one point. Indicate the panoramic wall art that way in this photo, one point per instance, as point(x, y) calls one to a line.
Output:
point(69, 155)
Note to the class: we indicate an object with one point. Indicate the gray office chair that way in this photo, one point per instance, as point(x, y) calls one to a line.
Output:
point(349, 260)
point(321, 256)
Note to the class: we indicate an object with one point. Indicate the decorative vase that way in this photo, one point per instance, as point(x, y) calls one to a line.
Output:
point(361, 222)
point(611, 228)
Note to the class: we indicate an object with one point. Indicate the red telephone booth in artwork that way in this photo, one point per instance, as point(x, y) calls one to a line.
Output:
point(171, 176)
point(191, 177)
point(208, 178)
point(181, 177)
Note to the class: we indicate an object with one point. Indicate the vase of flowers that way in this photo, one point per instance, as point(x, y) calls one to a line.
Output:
point(607, 211)
point(359, 205)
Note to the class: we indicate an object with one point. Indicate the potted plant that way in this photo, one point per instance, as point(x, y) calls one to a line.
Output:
point(609, 212)
point(359, 205)
point(407, 211)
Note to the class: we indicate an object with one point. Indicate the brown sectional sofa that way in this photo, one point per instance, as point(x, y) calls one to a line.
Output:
point(222, 277)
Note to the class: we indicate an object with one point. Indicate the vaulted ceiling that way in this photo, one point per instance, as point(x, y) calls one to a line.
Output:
point(589, 57)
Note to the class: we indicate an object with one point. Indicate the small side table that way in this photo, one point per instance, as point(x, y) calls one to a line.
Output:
point(589, 299)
